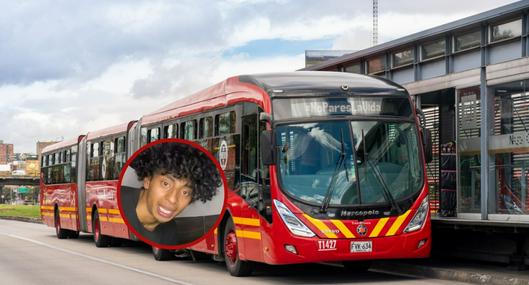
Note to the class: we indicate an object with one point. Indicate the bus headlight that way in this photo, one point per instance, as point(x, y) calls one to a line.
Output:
point(420, 217)
point(292, 222)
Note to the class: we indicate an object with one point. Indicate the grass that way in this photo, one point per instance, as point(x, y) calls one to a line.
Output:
point(26, 211)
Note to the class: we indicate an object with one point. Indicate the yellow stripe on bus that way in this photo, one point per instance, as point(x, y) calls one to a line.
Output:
point(116, 220)
point(321, 226)
point(47, 208)
point(114, 211)
point(47, 214)
point(68, 209)
point(378, 228)
point(246, 221)
point(64, 216)
point(248, 234)
point(398, 222)
point(89, 210)
point(345, 231)
point(215, 231)
point(102, 210)
point(103, 219)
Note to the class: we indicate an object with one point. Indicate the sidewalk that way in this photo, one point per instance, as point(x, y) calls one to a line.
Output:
point(456, 270)
point(22, 219)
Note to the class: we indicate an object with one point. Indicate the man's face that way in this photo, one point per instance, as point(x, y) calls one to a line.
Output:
point(167, 196)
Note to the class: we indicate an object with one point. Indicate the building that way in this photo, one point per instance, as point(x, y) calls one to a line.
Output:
point(6, 153)
point(471, 79)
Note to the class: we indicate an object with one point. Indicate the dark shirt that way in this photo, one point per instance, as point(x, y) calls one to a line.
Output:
point(176, 232)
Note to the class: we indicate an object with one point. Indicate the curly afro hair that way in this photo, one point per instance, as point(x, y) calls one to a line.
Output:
point(181, 161)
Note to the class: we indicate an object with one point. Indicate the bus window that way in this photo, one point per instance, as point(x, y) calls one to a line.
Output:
point(249, 147)
point(190, 130)
point(107, 160)
point(153, 134)
point(225, 123)
point(120, 156)
point(168, 131)
point(201, 134)
point(205, 127)
point(143, 136)
point(73, 163)
point(175, 130)
point(182, 128)
point(93, 163)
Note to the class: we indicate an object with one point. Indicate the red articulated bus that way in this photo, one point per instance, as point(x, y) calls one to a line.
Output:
point(320, 166)
point(79, 185)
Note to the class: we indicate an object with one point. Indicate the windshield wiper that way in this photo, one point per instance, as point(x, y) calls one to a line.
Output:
point(339, 164)
point(387, 192)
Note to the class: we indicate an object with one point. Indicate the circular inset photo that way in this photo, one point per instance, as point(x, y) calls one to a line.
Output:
point(171, 193)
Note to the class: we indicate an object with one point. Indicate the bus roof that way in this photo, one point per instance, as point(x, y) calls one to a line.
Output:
point(121, 128)
point(259, 85)
point(62, 144)
point(321, 80)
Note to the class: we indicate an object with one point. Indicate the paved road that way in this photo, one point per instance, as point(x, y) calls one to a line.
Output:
point(31, 254)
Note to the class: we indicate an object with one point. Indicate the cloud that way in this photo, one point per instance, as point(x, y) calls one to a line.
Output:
point(70, 67)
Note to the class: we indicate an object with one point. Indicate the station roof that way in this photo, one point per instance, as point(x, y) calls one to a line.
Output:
point(513, 8)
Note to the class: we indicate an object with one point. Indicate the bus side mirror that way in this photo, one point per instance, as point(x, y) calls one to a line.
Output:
point(267, 147)
point(427, 144)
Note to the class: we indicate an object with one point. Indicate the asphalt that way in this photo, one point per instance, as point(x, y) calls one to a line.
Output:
point(444, 269)
point(455, 270)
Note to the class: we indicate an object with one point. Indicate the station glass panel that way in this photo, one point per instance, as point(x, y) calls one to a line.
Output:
point(468, 145)
point(509, 145)
point(353, 68)
point(506, 30)
point(433, 49)
point(376, 64)
point(402, 58)
point(467, 40)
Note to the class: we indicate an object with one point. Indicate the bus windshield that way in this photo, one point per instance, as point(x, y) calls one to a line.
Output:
point(349, 162)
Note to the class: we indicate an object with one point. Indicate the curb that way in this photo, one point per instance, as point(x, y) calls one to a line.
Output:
point(22, 219)
point(461, 275)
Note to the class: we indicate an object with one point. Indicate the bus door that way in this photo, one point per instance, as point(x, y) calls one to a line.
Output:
point(252, 188)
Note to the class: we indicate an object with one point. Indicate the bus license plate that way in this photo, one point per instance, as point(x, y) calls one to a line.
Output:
point(361, 246)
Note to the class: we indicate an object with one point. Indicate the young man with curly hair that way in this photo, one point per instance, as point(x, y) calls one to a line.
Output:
point(173, 176)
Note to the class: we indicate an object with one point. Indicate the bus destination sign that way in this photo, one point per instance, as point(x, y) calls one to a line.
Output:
point(352, 106)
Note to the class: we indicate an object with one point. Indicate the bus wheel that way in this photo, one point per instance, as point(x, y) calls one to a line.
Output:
point(162, 254)
point(234, 264)
point(60, 232)
point(99, 239)
point(357, 266)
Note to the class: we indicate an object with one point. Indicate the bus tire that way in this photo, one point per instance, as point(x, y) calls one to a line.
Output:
point(161, 254)
point(357, 266)
point(100, 239)
point(60, 232)
point(235, 266)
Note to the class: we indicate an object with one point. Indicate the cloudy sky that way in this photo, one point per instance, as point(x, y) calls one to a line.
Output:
point(68, 67)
